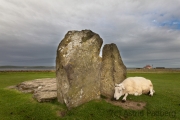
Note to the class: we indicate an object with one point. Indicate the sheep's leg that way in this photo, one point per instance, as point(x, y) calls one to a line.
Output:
point(124, 98)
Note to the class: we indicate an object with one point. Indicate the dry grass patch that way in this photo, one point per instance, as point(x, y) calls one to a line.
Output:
point(128, 104)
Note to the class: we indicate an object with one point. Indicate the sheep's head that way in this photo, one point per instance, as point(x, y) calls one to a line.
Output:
point(119, 91)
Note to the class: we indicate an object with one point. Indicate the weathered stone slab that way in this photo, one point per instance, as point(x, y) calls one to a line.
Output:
point(78, 68)
point(113, 69)
point(42, 89)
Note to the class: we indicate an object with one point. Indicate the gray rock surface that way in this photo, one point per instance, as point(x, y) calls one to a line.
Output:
point(78, 68)
point(112, 71)
point(42, 89)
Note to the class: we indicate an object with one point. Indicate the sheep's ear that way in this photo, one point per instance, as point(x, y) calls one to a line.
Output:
point(123, 87)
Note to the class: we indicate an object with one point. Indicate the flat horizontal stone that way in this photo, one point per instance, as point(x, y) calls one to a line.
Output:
point(43, 89)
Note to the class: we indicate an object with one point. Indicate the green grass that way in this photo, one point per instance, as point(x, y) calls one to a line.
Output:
point(164, 105)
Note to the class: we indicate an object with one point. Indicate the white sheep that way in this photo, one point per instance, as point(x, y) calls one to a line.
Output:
point(134, 86)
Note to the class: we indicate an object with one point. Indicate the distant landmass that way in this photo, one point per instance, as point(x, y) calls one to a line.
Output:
point(11, 67)
point(49, 68)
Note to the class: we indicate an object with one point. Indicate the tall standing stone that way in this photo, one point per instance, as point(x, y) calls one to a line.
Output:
point(113, 70)
point(78, 68)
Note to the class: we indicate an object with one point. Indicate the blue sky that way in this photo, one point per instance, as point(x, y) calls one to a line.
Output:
point(172, 24)
point(146, 32)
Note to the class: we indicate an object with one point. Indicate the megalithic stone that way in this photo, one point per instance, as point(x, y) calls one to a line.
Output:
point(78, 68)
point(113, 69)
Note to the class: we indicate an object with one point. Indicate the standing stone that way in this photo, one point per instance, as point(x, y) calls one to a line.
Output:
point(113, 70)
point(78, 68)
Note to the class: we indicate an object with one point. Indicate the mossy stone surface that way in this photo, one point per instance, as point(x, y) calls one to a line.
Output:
point(78, 68)
point(113, 69)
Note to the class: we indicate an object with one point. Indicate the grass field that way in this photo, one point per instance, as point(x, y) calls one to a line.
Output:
point(164, 105)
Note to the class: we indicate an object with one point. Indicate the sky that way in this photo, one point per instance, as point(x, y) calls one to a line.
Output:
point(145, 31)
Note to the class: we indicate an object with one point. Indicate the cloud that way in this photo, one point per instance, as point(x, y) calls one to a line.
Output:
point(146, 32)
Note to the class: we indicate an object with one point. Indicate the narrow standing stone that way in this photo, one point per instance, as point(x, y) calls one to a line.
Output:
point(113, 70)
